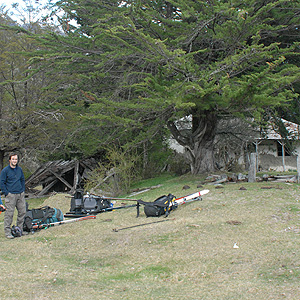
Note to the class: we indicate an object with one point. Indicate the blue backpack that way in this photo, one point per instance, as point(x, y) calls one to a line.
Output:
point(43, 215)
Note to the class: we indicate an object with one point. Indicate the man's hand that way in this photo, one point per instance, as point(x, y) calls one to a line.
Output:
point(2, 208)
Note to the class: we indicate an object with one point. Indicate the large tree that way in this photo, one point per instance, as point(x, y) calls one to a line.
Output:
point(147, 64)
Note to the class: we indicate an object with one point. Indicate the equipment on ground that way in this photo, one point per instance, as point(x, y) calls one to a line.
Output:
point(192, 197)
point(89, 204)
point(165, 204)
point(45, 226)
point(40, 216)
point(16, 231)
point(161, 206)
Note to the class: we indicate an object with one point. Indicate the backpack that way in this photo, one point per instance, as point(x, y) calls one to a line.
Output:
point(43, 215)
point(161, 206)
point(16, 231)
point(88, 204)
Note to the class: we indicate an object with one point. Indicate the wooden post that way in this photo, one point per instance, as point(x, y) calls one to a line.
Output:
point(252, 168)
point(75, 179)
point(283, 156)
point(66, 183)
point(256, 143)
point(47, 188)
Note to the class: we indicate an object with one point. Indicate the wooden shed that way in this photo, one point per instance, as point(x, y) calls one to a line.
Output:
point(60, 176)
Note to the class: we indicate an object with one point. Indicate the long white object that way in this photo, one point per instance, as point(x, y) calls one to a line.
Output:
point(184, 199)
point(63, 222)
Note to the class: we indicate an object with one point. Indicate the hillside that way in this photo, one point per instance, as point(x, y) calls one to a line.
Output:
point(234, 244)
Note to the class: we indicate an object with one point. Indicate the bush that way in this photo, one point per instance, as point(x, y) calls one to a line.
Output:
point(115, 175)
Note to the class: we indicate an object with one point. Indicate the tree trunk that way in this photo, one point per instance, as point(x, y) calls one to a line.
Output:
point(198, 141)
point(201, 157)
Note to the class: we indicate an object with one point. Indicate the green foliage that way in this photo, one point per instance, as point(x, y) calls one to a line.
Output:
point(178, 56)
point(134, 68)
point(31, 121)
point(114, 175)
point(178, 165)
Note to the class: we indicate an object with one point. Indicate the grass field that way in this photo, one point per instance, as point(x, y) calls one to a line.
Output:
point(190, 256)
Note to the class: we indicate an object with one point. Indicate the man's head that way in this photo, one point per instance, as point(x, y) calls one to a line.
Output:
point(13, 159)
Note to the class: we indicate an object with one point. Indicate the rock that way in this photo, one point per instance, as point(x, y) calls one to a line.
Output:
point(186, 187)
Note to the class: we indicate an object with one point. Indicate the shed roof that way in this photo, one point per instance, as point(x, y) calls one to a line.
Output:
point(272, 132)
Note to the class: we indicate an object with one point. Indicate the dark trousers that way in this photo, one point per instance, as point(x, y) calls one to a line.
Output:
point(13, 201)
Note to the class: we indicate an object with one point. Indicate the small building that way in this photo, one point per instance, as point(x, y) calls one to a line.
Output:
point(276, 152)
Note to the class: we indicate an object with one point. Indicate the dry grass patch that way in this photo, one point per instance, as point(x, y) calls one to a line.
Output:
point(191, 256)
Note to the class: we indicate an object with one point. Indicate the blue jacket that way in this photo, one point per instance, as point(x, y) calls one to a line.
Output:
point(12, 180)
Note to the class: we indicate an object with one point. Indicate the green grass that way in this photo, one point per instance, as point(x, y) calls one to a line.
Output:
point(191, 256)
point(152, 181)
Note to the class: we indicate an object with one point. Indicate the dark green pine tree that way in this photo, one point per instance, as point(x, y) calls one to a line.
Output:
point(145, 65)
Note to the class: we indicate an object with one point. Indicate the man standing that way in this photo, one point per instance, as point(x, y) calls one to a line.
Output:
point(12, 184)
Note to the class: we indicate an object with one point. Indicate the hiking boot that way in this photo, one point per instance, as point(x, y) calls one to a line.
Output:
point(9, 236)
